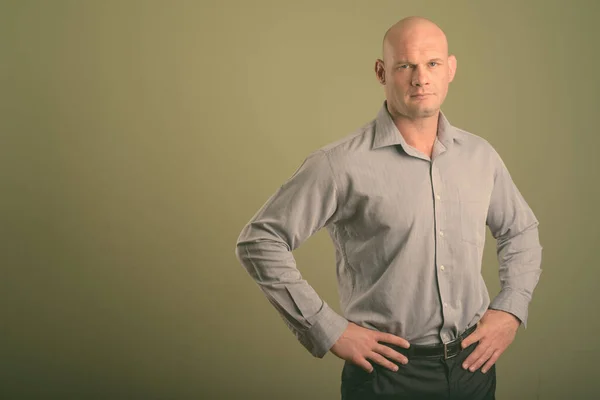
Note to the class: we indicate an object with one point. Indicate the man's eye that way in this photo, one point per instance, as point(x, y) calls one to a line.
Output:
point(433, 63)
point(404, 66)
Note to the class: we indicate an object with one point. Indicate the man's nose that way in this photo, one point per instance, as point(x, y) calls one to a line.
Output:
point(420, 76)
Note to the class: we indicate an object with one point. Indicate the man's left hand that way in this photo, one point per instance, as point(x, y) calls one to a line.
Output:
point(495, 332)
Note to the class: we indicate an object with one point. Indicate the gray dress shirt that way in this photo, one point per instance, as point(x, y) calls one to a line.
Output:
point(408, 232)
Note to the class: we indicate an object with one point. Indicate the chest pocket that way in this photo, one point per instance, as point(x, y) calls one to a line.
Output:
point(473, 213)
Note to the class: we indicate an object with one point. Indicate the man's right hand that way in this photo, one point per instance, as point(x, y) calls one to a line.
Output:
point(357, 344)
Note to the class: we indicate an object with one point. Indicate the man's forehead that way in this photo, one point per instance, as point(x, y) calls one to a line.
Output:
point(417, 53)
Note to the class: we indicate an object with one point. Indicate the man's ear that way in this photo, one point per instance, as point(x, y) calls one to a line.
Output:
point(452, 64)
point(380, 71)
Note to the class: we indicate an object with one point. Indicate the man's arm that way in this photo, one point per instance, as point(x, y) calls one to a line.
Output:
point(304, 204)
point(514, 226)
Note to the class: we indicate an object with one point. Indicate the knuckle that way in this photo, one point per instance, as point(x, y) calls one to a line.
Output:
point(386, 351)
point(357, 359)
point(379, 359)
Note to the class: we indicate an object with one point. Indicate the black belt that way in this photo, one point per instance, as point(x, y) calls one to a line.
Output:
point(445, 350)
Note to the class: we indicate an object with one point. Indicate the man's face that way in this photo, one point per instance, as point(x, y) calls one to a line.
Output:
point(416, 73)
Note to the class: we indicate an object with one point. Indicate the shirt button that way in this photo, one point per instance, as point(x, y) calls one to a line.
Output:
point(445, 304)
point(441, 233)
point(437, 196)
point(442, 267)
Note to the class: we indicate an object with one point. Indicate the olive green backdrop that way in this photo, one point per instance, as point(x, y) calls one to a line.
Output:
point(137, 138)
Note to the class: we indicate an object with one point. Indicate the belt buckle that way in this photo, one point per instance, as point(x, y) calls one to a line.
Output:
point(446, 351)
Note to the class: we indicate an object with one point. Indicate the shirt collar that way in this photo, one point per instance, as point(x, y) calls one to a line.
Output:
point(387, 134)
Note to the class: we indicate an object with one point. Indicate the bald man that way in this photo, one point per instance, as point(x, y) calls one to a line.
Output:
point(406, 200)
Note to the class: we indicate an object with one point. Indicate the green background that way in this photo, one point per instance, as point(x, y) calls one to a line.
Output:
point(137, 138)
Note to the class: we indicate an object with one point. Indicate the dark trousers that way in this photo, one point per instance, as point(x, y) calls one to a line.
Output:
point(420, 379)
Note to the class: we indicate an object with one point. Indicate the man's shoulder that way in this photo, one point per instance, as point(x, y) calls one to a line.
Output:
point(359, 140)
point(473, 141)
point(478, 148)
point(340, 151)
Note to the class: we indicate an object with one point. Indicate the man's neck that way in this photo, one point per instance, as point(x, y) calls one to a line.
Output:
point(420, 133)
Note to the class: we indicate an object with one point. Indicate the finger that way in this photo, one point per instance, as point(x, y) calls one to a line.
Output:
point(390, 353)
point(491, 361)
point(364, 364)
point(389, 338)
point(472, 338)
point(475, 355)
point(486, 356)
point(381, 360)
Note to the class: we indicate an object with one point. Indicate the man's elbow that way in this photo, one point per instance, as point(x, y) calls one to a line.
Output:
point(241, 251)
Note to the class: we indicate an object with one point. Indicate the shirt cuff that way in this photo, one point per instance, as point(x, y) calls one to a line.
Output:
point(323, 334)
point(513, 302)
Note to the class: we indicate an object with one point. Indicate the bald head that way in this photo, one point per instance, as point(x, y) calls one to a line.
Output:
point(408, 32)
point(415, 68)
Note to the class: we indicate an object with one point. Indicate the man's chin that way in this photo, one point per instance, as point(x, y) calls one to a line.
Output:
point(424, 113)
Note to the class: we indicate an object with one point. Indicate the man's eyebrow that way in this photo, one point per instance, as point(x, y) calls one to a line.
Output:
point(400, 62)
